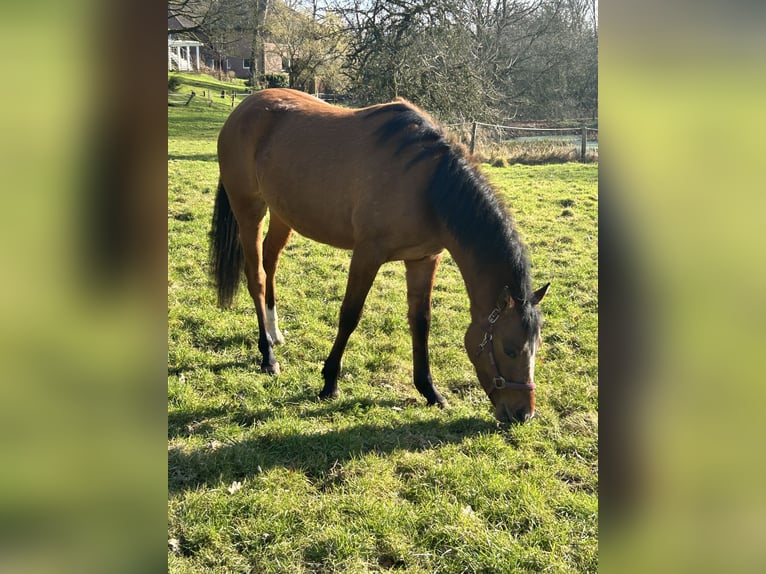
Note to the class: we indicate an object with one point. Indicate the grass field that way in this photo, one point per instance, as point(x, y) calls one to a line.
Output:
point(262, 477)
point(191, 81)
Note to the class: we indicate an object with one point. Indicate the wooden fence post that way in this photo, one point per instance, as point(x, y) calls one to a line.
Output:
point(233, 95)
point(473, 137)
point(584, 143)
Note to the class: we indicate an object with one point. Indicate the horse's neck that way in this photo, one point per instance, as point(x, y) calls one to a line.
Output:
point(482, 282)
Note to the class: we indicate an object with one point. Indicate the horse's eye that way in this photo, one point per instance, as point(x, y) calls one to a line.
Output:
point(510, 352)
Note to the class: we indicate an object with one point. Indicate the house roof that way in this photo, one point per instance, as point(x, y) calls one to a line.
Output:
point(179, 22)
point(181, 26)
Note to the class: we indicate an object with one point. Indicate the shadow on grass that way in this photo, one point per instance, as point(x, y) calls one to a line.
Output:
point(187, 423)
point(313, 453)
point(216, 369)
point(194, 157)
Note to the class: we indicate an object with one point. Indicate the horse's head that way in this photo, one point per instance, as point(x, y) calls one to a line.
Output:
point(502, 348)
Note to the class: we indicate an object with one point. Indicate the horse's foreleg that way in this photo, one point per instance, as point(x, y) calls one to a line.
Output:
point(276, 239)
point(250, 236)
point(420, 282)
point(364, 267)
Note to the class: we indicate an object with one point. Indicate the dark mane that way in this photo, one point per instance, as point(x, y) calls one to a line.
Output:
point(464, 200)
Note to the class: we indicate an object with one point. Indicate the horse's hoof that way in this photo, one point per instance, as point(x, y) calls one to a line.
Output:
point(439, 402)
point(271, 369)
point(328, 395)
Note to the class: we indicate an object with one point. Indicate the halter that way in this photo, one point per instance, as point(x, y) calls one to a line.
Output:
point(498, 381)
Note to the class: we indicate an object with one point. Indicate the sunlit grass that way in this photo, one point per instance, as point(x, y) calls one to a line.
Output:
point(375, 480)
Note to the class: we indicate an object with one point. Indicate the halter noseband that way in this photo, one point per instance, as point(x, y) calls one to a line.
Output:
point(498, 381)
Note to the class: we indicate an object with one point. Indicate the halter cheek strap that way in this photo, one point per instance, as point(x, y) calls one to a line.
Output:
point(498, 381)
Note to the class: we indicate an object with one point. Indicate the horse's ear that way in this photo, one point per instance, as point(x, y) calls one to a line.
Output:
point(538, 295)
point(504, 299)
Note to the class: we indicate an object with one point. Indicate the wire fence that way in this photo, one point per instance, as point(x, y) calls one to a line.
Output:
point(582, 139)
point(523, 143)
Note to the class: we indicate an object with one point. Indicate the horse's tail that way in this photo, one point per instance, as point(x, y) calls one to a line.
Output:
point(226, 257)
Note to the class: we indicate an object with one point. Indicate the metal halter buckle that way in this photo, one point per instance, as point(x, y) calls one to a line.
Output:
point(498, 381)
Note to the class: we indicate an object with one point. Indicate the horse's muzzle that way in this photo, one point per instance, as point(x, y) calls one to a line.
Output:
point(508, 416)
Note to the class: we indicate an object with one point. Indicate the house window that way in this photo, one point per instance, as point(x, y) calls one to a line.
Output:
point(246, 64)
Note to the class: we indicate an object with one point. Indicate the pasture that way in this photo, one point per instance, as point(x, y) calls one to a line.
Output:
point(263, 477)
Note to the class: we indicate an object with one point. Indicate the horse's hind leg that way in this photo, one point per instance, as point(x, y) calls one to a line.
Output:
point(420, 282)
point(276, 239)
point(250, 230)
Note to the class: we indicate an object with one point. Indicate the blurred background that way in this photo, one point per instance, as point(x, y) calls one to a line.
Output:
point(83, 286)
point(82, 297)
point(682, 284)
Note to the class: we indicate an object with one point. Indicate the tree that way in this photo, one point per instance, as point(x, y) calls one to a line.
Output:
point(556, 74)
point(311, 43)
point(191, 12)
point(201, 15)
point(411, 49)
point(461, 59)
point(220, 23)
point(260, 10)
point(474, 58)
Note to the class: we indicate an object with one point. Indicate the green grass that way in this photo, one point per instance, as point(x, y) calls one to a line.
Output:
point(212, 87)
point(191, 81)
point(376, 481)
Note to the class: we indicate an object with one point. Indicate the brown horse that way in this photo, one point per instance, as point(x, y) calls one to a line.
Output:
point(385, 182)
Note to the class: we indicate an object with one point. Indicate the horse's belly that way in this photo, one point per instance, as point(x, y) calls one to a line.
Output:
point(332, 227)
point(322, 234)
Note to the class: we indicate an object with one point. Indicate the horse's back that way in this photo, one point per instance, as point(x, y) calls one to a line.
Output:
point(321, 169)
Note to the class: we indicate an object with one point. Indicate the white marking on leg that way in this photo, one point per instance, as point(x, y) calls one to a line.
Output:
point(272, 326)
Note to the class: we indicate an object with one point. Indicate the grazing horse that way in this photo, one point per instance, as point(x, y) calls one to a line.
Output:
point(385, 182)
